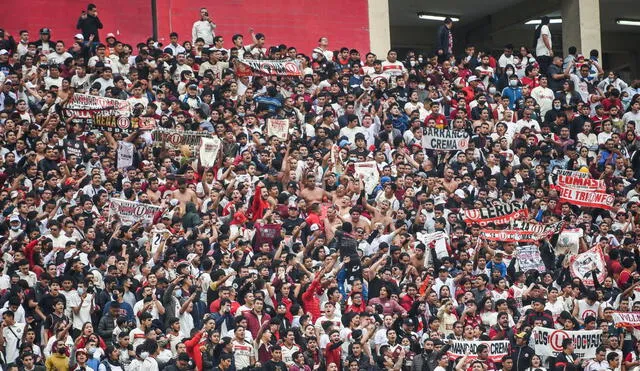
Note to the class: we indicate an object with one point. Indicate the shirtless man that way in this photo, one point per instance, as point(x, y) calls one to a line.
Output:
point(185, 195)
point(381, 215)
point(311, 193)
point(357, 220)
point(153, 192)
point(332, 222)
point(448, 182)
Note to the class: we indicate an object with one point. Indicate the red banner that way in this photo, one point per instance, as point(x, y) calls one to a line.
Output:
point(499, 214)
point(584, 184)
point(585, 198)
point(262, 67)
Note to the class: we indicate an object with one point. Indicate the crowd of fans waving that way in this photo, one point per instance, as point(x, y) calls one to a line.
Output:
point(344, 284)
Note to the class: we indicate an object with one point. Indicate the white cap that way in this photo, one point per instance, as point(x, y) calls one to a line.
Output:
point(3, 52)
point(314, 227)
point(110, 34)
point(473, 78)
point(78, 36)
point(459, 193)
point(14, 218)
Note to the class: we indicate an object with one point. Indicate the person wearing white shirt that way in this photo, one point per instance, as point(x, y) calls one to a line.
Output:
point(507, 57)
point(173, 46)
point(633, 115)
point(203, 28)
point(12, 333)
point(59, 55)
point(544, 46)
point(543, 95)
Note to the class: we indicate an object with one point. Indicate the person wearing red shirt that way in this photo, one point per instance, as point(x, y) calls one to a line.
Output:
point(256, 317)
point(311, 297)
point(532, 76)
point(626, 276)
point(333, 351)
point(470, 90)
point(435, 115)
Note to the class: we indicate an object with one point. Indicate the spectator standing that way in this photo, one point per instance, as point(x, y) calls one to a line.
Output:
point(203, 28)
point(89, 23)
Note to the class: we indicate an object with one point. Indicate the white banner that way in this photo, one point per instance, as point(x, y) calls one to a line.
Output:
point(369, 172)
point(581, 266)
point(279, 128)
point(529, 258)
point(626, 319)
point(445, 139)
point(130, 212)
point(437, 240)
point(209, 148)
point(578, 174)
point(125, 154)
point(548, 342)
point(462, 348)
point(159, 238)
point(569, 241)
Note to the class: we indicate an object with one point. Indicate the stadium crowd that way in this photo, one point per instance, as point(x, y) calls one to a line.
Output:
point(281, 256)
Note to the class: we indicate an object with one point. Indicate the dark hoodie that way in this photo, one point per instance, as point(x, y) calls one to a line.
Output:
point(191, 218)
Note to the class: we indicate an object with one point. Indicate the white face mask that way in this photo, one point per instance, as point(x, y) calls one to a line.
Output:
point(492, 90)
point(509, 72)
point(557, 106)
point(420, 60)
point(413, 63)
point(421, 86)
point(513, 83)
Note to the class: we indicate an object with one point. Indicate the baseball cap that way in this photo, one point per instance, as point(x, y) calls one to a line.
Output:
point(110, 34)
point(45, 31)
point(473, 78)
point(78, 36)
point(4, 52)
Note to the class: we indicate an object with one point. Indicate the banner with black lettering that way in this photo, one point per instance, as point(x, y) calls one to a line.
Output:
point(279, 128)
point(177, 138)
point(578, 174)
point(461, 348)
point(539, 231)
point(626, 319)
point(209, 151)
point(263, 67)
point(582, 265)
point(130, 212)
point(499, 214)
point(529, 258)
point(445, 139)
point(569, 241)
point(122, 124)
point(585, 198)
point(548, 342)
point(85, 106)
point(125, 154)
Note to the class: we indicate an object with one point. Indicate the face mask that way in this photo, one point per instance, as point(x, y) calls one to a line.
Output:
point(612, 79)
point(557, 106)
point(413, 63)
point(513, 83)
point(15, 227)
point(80, 290)
point(178, 293)
point(421, 86)
point(91, 350)
point(492, 90)
point(420, 60)
point(509, 72)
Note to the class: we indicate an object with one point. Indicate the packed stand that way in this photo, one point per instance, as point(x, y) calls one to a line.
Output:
point(287, 253)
